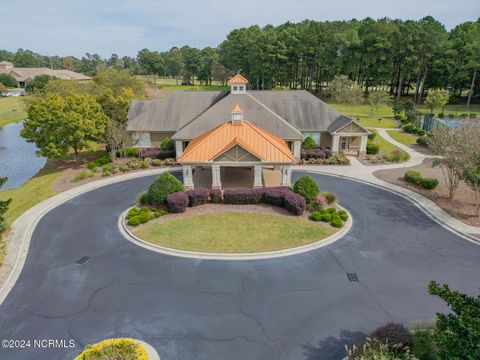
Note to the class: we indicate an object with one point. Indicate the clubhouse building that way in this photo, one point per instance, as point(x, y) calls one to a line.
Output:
point(243, 129)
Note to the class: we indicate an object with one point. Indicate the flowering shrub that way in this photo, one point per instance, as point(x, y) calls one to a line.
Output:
point(216, 196)
point(177, 202)
point(294, 203)
point(242, 196)
point(198, 196)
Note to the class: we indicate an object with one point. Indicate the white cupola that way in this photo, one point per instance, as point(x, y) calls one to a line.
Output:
point(238, 84)
point(237, 115)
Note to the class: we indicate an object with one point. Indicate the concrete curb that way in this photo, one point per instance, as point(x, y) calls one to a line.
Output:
point(238, 256)
point(405, 193)
point(22, 229)
point(151, 352)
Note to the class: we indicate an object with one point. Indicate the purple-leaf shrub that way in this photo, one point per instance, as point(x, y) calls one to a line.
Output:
point(177, 202)
point(156, 153)
point(198, 196)
point(242, 196)
point(275, 195)
point(294, 203)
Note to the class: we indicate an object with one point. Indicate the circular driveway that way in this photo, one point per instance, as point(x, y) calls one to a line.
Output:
point(296, 307)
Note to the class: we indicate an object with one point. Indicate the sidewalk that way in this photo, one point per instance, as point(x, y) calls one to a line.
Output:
point(357, 171)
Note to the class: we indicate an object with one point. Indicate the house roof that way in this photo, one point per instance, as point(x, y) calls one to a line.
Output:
point(341, 122)
point(171, 113)
point(25, 74)
point(6, 63)
point(257, 141)
point(237, 79)
point(299, 107)
point(257, 113)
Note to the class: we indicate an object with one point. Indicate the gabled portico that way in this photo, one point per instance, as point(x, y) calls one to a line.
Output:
point(236, 144)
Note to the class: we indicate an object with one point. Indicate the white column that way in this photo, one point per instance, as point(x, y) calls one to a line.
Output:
point(216, 181)
point(178, 148)
point(286, 175)
point(296, 149)
point(363, 144)
point(257, 176)
point(187, 177)
point(335, 143)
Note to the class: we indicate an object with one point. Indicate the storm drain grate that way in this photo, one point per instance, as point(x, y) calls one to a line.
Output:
point(352, 277)
point(82, 260)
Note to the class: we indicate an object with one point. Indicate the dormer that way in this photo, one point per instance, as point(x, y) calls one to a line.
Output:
point(238, 84)
point(237, 115)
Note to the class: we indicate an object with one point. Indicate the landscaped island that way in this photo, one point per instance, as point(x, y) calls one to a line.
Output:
point(235, 220)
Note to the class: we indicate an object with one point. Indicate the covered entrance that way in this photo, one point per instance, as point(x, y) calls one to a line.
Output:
point(235, 154)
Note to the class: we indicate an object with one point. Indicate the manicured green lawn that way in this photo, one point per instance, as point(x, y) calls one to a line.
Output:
point(12, 109)
point(402, 137)
point(387, 147)
point(363, 113)
point(233, 232)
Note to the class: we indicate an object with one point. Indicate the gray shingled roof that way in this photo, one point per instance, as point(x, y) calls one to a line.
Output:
point(253, 111)
point(171, 113)
point(191, 113)
point(299, 107)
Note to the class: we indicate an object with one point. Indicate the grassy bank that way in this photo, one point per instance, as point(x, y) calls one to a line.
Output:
point(402, 137)
point(233, 232)
point(381, 118)
point(12, 109)
point(387, 147)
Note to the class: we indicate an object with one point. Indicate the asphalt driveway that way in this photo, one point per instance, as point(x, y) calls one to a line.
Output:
point(296, 307)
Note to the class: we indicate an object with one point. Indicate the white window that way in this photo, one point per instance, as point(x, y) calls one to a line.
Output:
point(235, 88)
point(141, 139)
point(314, 135)
point(240, 88)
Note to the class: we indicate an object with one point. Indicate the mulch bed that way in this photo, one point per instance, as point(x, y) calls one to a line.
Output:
point(461, 207)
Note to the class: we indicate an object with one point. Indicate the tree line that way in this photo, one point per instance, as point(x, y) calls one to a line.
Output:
point(403, 57)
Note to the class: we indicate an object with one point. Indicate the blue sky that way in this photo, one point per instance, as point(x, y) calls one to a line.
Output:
point(74, 27)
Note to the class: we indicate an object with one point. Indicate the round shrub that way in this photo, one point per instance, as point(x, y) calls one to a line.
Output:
point(306, 187)
point(309, 143)
point(392, 335)
point(336, 221)
point(316, 216)
point(372, 136)
point(177, 202)
point(123, 348)
point(428, 183)
point(326, 217)
point(422, 141)
point(372, 149)
point(216, 196)
point(343, 215)
point(338, 159)
point(167, 144)
point(412, 177)
point(162, 186)
point(198, 196)
point(331, 210)
point(138, 216)
point(143, 198)
point(421, 132)
point(157, 162)
point(274, 195)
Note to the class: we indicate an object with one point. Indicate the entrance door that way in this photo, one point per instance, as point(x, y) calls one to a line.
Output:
point(344, 143)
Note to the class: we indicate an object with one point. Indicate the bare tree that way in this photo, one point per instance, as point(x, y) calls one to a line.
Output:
point(115, 136)
point(457, 150)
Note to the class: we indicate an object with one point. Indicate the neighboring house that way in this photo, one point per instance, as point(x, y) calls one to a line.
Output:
point(242, 128)
point(24, 75)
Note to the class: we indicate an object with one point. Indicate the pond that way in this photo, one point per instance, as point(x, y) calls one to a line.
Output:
point(18, 161)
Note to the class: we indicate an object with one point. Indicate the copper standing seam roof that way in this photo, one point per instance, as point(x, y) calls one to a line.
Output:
point(264, 145)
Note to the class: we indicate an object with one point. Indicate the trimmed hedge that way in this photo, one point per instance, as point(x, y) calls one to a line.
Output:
point(372, 148)
point(216, 196)
point(158, 153)
point(242, 196)
point(294, 203)
point(275, 195)
point(317, 153)
point(167, 144)
point(198, 196)
point(177, 202)
point(414, 177)
point(138, 216)
point(306, 187)
point(422, 141)
point(165, 184)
